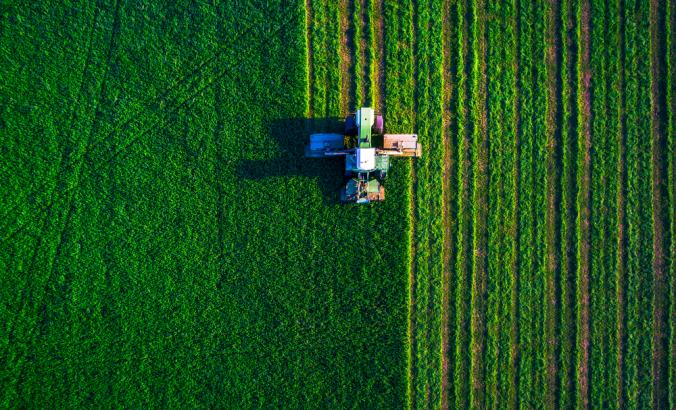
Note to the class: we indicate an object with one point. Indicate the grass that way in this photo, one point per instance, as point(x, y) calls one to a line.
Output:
point(177, 255)
point(163, 243)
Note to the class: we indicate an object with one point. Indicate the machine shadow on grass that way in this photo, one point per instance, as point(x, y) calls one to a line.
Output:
point(290, 135)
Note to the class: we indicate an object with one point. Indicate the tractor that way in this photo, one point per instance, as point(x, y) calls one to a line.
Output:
point(367, 151)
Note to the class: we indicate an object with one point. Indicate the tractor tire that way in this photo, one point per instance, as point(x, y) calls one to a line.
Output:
point(378, 125)
point(350, 125)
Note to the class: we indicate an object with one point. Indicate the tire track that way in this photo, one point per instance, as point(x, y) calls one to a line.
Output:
point(163, 119)
point(32, 304)
point(74, 105)
point(165, 99)
point(66, 153)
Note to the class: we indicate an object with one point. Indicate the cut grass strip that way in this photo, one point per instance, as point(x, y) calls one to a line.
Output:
point(612, 223)
point(621, 211)
point(552, 184)
point(358, 55)
point(583, 202)
point(540, 202)
point(317, 54)
point(480, 181)
point(429, 203)
point(466, 40)
point(604, 57)
point(502, 67)
point(449, 197)
point(398, 81)
point(567, 328)
point(638, 384)
point(346, 59)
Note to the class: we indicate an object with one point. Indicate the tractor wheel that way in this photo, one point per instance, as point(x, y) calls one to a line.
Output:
point(350, 125)
point(378, 125)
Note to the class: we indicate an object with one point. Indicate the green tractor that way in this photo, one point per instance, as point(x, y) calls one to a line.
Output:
point(367, 151)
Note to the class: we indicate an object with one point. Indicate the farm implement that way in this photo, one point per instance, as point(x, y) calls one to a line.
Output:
point(367, 151)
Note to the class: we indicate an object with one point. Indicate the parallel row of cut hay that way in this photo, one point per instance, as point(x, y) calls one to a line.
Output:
point(459, 336)
point(637, 383)
point(559, 181)
point(428, 259)
point(604, 189)
point(532, 204)
point(503, 170)
point(399, 112)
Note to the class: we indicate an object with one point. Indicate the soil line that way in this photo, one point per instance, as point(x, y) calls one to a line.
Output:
point(553, 228)
point(660, 197)
point(481, 181)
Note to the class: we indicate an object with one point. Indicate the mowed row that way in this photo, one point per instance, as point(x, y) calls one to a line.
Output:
point(542, 230)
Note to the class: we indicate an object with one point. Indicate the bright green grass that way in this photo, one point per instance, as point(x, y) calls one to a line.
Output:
point(164, 243)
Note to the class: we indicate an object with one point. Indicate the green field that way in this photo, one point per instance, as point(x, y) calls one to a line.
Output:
point(163, 242)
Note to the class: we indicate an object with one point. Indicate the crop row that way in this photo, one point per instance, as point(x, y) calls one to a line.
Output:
point(546, 205)
point(671, 264)
point(501, 250)
point(429, 206)
point(464, 40)
point(637, 380)
point(532, 203)
point(604, 188)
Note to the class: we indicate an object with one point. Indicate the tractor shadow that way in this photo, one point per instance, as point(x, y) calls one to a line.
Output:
point(288, 156)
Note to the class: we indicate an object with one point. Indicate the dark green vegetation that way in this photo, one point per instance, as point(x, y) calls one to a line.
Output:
point(164, 242)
